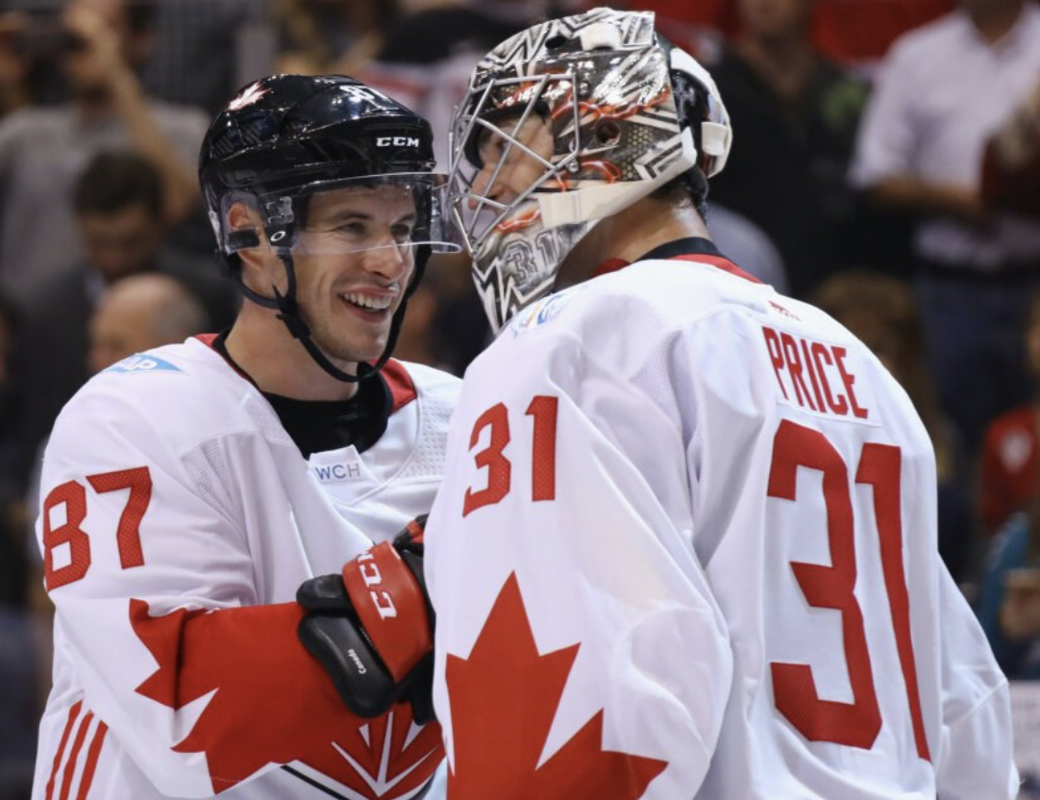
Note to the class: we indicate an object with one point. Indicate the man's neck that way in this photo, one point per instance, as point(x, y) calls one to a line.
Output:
point(629, 235)
point(92, 106)
point(995, 20)
point(278, 364)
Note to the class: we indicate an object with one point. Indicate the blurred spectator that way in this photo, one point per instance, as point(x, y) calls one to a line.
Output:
point(332, 36)
point(14, 64)
point(18, 712)
point(859, 32)
point(1011, 446)
point(418, 340)
point(43, 149)
point(855, 33)
point(883, 313)
point(118, 213)
point(427, 58)
point(943, 89)
point(460, 329)
point(1011, 164)
point(1009, 607)
point(204, 49)
point(12, 553)
point(799, 113)
point(141, 312)
point(747, 246)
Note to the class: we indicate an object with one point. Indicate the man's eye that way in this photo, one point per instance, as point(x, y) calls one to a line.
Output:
point(352, 229)
point(402, 233)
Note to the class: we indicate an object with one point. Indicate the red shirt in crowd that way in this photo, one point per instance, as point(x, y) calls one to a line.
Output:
point(1009, 465)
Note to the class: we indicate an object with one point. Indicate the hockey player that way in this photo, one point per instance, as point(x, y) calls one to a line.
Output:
point(193, 490)
point(686, 541)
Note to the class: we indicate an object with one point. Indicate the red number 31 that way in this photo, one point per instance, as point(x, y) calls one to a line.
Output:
point(73, 496)
point(499, 471)
point(858, 723)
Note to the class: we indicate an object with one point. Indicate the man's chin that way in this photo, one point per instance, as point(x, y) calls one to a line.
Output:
point(350, 356)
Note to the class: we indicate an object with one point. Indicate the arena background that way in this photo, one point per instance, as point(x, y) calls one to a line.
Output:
point(904, 201)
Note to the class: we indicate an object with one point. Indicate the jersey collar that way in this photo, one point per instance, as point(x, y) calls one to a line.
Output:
point(692, 248)
point(398, 382)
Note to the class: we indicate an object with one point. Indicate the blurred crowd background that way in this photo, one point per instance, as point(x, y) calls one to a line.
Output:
point(886, 166)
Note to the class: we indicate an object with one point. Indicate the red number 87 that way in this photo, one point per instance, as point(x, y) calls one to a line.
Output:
point(73, 496)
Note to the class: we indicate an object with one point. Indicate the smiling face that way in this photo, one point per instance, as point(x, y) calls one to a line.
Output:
point(354, 261)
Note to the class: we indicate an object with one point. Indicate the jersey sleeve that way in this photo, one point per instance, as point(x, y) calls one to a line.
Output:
point(577, 639)
point(157, 622)
point(976, 755)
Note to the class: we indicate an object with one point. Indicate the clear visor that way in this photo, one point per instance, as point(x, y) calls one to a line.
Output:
point(401, 211)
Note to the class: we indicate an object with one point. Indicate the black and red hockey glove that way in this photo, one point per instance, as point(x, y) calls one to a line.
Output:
point(371, 627)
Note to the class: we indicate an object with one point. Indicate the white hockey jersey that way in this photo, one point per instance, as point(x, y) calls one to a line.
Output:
point(179, 519)
point(686, 548)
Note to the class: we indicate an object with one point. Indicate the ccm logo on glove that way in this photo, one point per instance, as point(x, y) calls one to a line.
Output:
point(370, 574)
point(380, 576)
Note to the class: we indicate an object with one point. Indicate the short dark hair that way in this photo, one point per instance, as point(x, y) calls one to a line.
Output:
point(115, 181)
point(691, 106)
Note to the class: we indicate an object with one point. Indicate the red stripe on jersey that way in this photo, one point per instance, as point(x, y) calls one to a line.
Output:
point(722, 263)
point(402, 389)
point(616, 264)
point(73, 713)
point(70, 766)
point(92, 758)
point(610, 265)
point(208, 339)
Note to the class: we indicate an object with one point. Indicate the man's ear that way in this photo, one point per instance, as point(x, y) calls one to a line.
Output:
point(245, 232)
point(260, 267)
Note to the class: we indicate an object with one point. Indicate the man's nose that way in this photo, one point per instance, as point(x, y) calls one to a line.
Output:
point(388, 259)
point(482, 186)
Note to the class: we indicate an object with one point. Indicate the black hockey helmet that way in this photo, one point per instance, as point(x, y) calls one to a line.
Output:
point(286, 137)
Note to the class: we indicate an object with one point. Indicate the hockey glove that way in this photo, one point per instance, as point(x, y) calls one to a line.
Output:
point(371, 627)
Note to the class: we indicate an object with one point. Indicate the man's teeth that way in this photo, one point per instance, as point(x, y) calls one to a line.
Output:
point(367, 301)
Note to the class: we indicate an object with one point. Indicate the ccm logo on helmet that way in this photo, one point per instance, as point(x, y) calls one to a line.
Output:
point(370, 574)
point(397, 141)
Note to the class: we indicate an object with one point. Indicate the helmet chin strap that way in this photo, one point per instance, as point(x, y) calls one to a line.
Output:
point(289, 314)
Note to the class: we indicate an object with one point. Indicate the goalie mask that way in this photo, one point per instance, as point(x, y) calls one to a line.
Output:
point(587, 101)
point(287, 139)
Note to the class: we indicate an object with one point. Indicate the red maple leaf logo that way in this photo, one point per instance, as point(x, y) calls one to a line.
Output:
point(503, 701)
point(274, 704)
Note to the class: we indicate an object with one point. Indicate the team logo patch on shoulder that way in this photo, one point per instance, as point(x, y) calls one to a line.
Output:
point(143, 363)
point(544, 311)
